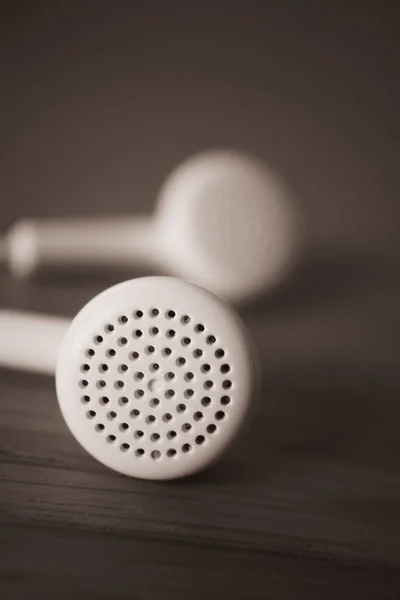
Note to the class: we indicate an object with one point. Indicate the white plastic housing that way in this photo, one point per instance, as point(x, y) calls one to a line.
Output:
point(228, 223)
point(155, 377)
point(223, 220)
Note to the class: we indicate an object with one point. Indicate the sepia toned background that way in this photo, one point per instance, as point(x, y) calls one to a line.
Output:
point(99, 101)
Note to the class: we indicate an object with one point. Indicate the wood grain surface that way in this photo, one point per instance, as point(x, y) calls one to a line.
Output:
point(99, 102)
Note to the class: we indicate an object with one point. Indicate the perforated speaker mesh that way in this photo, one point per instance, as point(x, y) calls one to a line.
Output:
point(159, 383)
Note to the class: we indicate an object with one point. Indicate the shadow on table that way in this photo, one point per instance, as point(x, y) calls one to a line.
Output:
point(329, 402)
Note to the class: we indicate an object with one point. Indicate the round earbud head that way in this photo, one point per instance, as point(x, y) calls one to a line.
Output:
point(155, 377)
point(228, 223)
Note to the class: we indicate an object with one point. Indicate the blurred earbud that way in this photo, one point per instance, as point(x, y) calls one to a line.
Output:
point(223, 220)
point(154, 376)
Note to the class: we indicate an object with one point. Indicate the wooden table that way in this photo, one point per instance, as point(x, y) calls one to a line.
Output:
point(99, 101)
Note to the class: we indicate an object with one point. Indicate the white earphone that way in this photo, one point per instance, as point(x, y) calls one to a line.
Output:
point(154, 376)
point(223, 220)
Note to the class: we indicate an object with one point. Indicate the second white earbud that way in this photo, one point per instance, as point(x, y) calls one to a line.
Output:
point(223, 220)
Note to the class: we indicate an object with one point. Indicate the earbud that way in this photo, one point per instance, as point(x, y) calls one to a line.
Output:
point(223, 220)
point(154, 376)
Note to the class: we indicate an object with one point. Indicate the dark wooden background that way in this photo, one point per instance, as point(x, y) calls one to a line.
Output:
point(99, 101)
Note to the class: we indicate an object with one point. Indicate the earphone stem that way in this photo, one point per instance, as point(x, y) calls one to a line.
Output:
point(63, 243)
point(31, 342)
